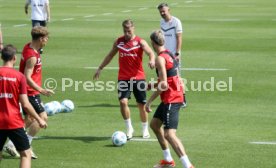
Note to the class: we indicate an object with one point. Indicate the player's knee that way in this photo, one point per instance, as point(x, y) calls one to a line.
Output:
point(168, 135)
point(25, 153)
point(124, 102)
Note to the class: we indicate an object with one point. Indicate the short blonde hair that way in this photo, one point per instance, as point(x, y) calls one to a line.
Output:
point(39, 31)
point(158, 37)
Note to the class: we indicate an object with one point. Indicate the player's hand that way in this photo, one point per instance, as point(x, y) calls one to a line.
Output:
point(148, 108)
point(42, 124)
point(177, 58)
point(151, 64)
point(26, 11)
point(47, 92)
point(97, 74)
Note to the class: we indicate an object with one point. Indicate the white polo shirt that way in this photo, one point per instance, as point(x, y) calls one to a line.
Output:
point(170, 29)
point(38, 9)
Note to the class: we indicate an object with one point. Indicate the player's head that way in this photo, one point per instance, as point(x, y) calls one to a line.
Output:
point(128, 28)
point(164, 11)
point(8, 54)
point(157, 39)
point(40, 34)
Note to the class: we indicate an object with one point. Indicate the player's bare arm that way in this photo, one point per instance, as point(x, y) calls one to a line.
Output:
point(47, 6)
point(26, 6)
point(162, 85)
point(30, 63)
point(178, 43)
point(106, 60)
point(149, 52)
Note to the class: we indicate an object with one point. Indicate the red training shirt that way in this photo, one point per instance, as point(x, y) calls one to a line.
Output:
point(12, 84)
point(27, 53)
point(130, 59)
point(174, 94)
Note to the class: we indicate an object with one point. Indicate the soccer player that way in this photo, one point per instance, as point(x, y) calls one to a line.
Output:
point(170, 90)
point(131, 75)
point(31, 67)
point(172, 29)
point(13, 91)
point(40, 14)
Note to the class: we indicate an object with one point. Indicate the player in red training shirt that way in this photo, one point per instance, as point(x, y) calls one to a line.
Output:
point(13, 91)
point(170, 90)
point(131, 75)
point(31, 67)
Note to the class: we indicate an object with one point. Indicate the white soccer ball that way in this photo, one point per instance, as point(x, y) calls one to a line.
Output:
point(50, 108)
point(119, 138)
point(67, 106)
point(57, 105)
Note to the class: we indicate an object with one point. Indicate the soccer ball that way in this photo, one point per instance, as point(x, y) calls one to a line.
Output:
point(50, 108)
point(57, 105)
point(119, 138)
point(67, 106)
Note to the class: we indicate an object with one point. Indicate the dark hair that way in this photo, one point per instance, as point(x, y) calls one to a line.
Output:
point(8, 53)
point(127, 23)
point(39, 31)
point(162, 5)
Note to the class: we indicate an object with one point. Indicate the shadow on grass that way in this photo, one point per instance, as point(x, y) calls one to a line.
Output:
point(107, 105)
point(85, 139)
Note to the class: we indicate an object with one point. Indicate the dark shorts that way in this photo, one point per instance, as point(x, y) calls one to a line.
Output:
point(18, 138)
point(168, 114)
point(138, 87)
point(39, 23)
point(36, 103)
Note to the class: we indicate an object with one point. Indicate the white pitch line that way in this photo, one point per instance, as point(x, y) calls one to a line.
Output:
point(67, 19)
point(186, 69)
point(263, 143)
point(223, 20)
point(88, 16)
point(143, 140)
point(105, 14)
point(20, 25)
point(173, 4)
point(126, 11)
point(204, 69)
point(142, 8)
point(188, 1)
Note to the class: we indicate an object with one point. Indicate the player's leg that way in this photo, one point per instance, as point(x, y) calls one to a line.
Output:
point(124, 95)
point(25, 161)
point(20, 140)
point(171, 125)
point(34, 127)
point(3, 138)
point(139, 91)
point(157, 127)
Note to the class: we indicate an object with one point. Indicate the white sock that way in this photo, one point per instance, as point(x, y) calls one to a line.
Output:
point(145, 126)
point(128, 123)
point(10, 144)
point(167, 155)
point(185, 161)
point(30, 138)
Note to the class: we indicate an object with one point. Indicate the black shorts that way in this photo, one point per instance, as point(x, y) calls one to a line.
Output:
point(125, 87)
point(18, 138)
point(168, 114)
point(36, 103)
point(39, 23)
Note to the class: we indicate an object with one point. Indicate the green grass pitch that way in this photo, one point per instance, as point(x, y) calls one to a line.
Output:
point(216, 128)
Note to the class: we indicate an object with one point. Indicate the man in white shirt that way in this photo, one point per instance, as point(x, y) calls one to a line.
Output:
point(172, 30)
point(40, 12)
